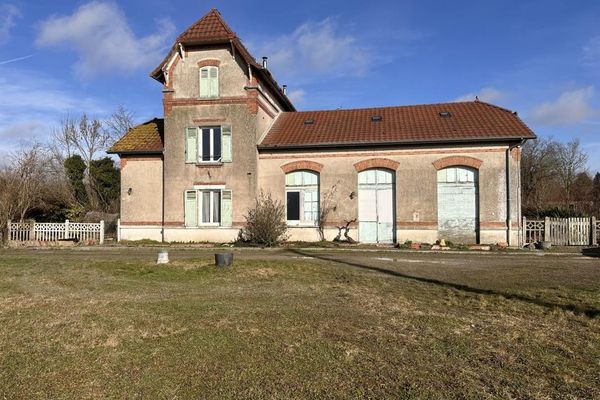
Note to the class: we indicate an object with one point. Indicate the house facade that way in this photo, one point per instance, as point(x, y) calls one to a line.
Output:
point(425, 172)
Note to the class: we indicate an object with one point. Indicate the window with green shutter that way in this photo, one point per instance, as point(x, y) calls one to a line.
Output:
point(208, 144)
point(226, 143)
point(191, 145)
point(191, 208)
point(209, 82)
point(209, 207)
point(226, 208)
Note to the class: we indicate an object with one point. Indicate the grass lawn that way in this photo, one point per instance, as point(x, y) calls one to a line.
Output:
point(109, 323)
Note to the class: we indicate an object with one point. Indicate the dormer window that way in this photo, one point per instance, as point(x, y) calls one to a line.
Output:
point(209, 82)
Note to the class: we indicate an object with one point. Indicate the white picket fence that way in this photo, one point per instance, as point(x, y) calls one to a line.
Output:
point(52, 232)
point(562, 231)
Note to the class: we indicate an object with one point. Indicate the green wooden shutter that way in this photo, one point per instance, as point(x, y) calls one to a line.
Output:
point(214, 81)
point(226, 208)
point(191, 145)
point(226, 143)
point(204, 83)
point(191, 208)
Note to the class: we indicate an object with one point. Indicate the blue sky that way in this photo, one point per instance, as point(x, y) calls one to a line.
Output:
point(540, 58)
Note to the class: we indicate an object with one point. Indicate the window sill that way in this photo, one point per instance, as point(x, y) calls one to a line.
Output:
point(301, 224)
point(208, 227)
point(209, 164)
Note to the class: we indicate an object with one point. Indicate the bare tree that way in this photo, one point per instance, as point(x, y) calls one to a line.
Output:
point(23, 183)
point(327, 205)
point(570, 162)
point(538, 170)
point(119, 123)
point(85, 137)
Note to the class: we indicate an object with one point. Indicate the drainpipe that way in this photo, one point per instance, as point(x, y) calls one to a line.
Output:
point(162, 228)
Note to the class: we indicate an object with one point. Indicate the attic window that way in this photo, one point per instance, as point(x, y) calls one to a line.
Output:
point(309, 121)
point(376, 118)
point(445, 114)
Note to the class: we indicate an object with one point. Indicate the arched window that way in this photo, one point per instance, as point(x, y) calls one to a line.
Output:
point(302, 197)
point(209, 81)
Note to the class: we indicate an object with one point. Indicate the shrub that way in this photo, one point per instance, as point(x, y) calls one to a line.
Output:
point(265, 223)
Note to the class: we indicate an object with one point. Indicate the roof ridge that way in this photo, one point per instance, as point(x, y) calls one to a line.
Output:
point(449, 103)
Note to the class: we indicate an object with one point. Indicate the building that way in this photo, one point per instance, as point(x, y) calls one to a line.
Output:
point(419, 172)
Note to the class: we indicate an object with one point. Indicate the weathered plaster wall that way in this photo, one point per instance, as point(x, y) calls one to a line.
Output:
point(144, 176)
point(238, 176)
point(416, 187)
point(186, 79)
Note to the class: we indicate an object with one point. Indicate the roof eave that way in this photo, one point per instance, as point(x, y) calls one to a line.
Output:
point(132, 152)
point(393, 143)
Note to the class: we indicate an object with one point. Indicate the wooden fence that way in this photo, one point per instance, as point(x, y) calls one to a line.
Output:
point(562, 231)
point(53, 232)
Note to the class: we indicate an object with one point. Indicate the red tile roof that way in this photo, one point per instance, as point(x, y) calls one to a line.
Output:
point(467, 122)
point(144, 138)
point(209, 28)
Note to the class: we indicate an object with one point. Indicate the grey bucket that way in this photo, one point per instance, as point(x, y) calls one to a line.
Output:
point(223, 259)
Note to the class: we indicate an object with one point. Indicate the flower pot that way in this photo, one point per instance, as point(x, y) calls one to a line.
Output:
point(223, 259)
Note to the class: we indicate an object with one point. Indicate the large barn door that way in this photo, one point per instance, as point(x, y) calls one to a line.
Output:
point(376, 206)
point(458, 205)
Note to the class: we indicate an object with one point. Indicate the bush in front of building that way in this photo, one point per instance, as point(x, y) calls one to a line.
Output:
point(265, 223)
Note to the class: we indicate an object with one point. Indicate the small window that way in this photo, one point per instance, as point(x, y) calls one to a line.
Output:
point(209, 82)
point(208, 144)
point(302, 197)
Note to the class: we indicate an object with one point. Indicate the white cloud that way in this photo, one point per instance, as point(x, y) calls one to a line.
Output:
point(487, 94)
point(591, 52)
point(317, 49)
point(101, 36)
point(296, 96)
point(8, 15)
point(569, 108)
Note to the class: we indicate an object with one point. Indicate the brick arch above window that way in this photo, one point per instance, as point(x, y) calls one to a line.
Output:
point(453, 161)
point(302, 165)
point(376, 163)
point(209, 63)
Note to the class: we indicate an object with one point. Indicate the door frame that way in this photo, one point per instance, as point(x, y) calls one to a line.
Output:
point(394, 205)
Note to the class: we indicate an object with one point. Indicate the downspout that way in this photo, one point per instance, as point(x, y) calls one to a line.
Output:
point(162, 228)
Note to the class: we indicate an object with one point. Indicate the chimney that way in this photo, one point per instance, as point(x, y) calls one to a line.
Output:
point(265, 62)
point(285, 89)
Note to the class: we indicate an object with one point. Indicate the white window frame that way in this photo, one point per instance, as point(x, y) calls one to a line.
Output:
point(200, 200)
point(200, 144)
point(303, 189)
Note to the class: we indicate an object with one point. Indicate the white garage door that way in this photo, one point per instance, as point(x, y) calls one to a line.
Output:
point(376, 206)
point(458, 204)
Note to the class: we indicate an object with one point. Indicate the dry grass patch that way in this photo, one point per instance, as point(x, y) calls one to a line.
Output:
point(116, 325)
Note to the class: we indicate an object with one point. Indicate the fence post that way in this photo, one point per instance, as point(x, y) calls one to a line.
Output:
point(118, 229)
point(102, 232)
point(546, 229)
point(32, 230)
point(523, 232)
point(594, 236)
point(66, 229)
